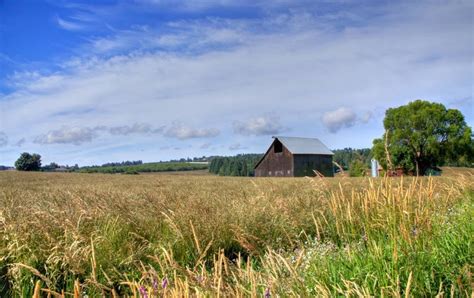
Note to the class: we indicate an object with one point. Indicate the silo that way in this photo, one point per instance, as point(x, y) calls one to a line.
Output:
point(375, 168)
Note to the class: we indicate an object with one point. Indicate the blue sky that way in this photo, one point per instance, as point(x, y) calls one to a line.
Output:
point(90, 82)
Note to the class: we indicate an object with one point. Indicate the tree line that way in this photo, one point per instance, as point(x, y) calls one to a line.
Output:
point(123, 163)
point(239, 165)
point(355, 161)
point(144, 168)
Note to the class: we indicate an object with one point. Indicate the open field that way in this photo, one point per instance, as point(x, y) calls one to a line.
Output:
point(179, 235)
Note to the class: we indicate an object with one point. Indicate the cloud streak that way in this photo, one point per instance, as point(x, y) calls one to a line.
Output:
point(236, 146)
point(137, 128)
point(81, 135)
point(3, 139)
point(259, 126)
point(182, 132)
point(344, 117)
point(69, 25)
point(20, 142)
point(337, 119)
point(67, 135)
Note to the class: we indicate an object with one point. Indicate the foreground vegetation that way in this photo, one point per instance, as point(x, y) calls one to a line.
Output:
point(151, 235)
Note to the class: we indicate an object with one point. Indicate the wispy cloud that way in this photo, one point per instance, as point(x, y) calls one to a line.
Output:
point(337, 119)
point(178, 36)
point(137, 128)
point(205, 146)
point(81, 135)
point(259, 126)
point(20, 142)
point(344, 117)
point(69, 25)
point(180, 131)
point(67, 135)
point(236, 146)
point(3, 139)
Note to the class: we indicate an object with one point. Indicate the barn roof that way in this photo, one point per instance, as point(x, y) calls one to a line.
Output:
point(298, 145)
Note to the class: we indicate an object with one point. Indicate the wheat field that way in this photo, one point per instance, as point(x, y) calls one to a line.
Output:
point(99, 235)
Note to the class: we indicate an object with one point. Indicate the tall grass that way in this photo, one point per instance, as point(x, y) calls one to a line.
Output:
point(104, 235)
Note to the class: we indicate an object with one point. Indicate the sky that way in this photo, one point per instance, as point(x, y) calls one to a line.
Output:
point(90, 82)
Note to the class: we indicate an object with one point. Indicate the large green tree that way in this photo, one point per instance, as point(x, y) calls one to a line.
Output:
point(28, 162)
point(421, 135)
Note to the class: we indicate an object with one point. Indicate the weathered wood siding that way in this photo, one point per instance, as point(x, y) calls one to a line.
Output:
point(275, 164)
point(304, 164)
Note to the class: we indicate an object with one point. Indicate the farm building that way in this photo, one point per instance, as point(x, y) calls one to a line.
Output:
point(295, 157)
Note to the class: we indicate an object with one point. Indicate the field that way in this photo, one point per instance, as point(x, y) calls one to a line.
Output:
point(153, 235)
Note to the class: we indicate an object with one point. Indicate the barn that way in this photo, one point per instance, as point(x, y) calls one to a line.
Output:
point(295, 157)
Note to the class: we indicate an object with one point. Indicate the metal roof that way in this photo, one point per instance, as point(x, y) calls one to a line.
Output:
point(304, 145)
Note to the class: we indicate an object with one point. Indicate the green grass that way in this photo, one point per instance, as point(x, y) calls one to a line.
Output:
point(207, 236)
point(436, 260)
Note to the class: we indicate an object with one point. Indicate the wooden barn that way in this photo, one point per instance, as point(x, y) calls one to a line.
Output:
point(295, 157)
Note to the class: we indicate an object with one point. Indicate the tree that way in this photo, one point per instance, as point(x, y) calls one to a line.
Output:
point(357, 168)
point(421, 135)
point(28, 162)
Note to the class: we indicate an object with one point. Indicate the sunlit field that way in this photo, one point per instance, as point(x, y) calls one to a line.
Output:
point(160, 235)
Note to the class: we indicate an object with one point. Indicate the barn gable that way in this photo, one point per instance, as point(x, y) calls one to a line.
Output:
point(277, 161)
point(292, 156)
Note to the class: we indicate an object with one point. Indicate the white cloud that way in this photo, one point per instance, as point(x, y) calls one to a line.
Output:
point(137, 128)
point(20, 142)
point(181, 36)
point(180, 131)
point(199, 6)
point(344, 117)
point(80, 135)
point(3, 139)
point(259, 126)
point(67, 135)
point(337, 119)
point(237, 146)
point(69, 25)
point(205, 146)
point(366, 116)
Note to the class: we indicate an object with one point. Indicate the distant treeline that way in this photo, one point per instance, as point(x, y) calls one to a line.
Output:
point(345, 157)
point(239, 165)
point(144, 167)
point(123, 163)
point(194, 159)
point(139, 162)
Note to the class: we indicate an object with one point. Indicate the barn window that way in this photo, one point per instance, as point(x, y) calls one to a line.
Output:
point(278, 147)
